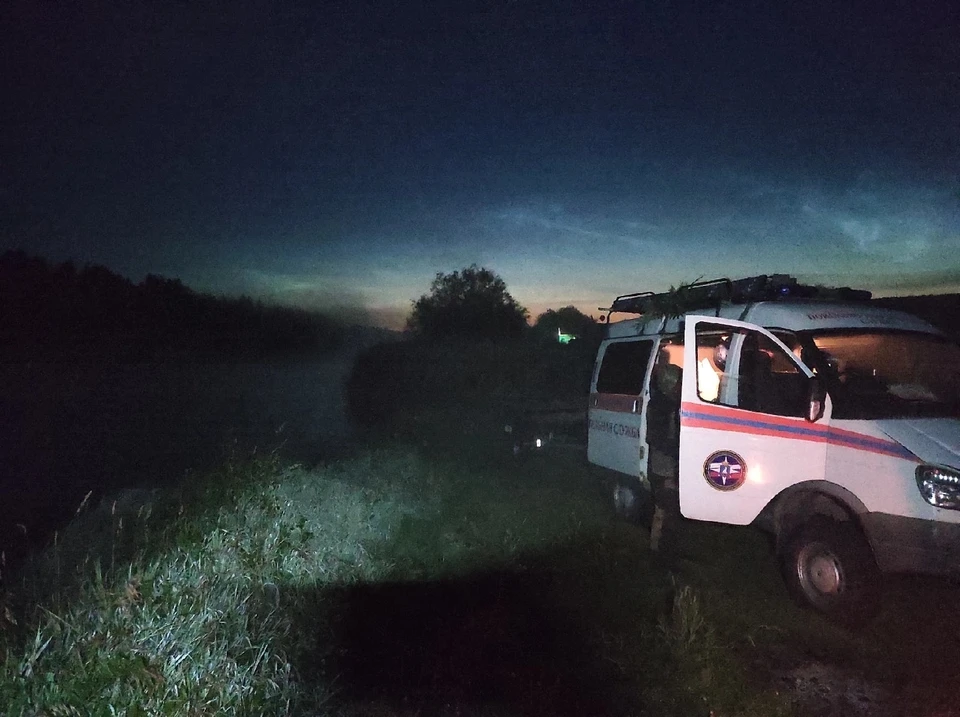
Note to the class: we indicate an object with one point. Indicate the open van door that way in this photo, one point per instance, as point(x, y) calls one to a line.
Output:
point(752, 421)
point(615, 414)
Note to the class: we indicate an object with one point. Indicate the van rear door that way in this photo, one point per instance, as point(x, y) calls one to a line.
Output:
point(744, 436)
point(616, 411)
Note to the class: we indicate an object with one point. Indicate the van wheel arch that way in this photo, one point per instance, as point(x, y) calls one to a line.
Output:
point(800, 503)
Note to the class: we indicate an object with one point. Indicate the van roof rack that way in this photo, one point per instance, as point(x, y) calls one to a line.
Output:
point(715, 292)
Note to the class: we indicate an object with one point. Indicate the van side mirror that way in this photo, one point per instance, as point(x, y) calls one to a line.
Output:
point(816, 399)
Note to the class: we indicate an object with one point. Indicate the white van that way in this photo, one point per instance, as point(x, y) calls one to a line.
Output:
point(824, 419)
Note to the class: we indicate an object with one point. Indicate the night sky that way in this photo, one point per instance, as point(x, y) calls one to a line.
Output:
point(338, 154)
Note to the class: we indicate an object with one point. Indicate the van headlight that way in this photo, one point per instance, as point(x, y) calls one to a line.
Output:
point(939, 486)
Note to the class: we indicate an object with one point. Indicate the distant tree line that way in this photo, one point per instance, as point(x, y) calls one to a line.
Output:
point(941, 310)
point(57, 312)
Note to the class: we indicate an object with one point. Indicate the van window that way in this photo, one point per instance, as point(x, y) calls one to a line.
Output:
point(712, 348)
point(663, 408)
point(873, 374)
point(623, 367)
point(745, 369)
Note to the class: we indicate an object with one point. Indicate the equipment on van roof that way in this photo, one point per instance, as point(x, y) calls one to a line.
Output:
point(715, 292)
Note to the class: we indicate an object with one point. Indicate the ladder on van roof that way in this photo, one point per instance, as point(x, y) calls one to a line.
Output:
point(713, 293)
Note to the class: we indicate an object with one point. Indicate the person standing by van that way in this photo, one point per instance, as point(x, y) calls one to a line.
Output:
point(663, 439)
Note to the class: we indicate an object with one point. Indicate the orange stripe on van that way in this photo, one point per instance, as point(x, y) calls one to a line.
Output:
point(726, 418)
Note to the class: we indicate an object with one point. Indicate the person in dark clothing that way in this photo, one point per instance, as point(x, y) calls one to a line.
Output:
point(663, 438)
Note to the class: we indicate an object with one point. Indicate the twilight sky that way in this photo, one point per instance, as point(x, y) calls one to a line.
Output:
point(339, 154)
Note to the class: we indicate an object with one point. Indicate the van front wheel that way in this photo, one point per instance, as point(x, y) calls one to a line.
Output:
point(829, 566)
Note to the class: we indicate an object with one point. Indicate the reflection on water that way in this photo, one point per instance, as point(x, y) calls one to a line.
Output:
point(68, 429)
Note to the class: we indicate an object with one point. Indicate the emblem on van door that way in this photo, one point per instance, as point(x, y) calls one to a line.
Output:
point(725, 470)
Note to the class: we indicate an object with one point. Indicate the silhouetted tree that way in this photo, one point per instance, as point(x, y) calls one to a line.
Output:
point(470, 302)
point(569, 320)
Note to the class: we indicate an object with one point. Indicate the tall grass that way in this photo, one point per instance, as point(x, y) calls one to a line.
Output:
point(185, 607)
point(226, 597)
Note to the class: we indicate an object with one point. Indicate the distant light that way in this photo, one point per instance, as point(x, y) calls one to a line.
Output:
point(539, 443)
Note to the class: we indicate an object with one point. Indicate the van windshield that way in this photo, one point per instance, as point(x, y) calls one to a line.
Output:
point(886, 374)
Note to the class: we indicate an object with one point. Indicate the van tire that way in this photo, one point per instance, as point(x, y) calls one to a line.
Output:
point(829, 566)
point(630, 501)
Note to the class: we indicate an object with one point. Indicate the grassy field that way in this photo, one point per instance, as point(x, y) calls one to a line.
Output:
point(413, 581)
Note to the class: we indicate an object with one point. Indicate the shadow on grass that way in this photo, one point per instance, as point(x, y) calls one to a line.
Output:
point(496, 641)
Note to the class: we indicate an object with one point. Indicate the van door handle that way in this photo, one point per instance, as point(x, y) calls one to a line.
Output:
point(635, 402)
